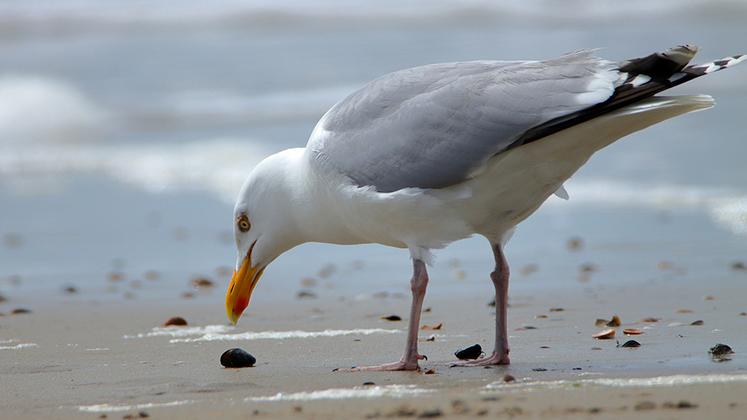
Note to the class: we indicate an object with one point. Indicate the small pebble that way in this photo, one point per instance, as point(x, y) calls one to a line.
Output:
point(305, 294)
point(202, 282)
point(698, 322)
point(392, 318)
point(176, 321)
point(539, 370)
point(574, 244)
point(237, 358)
point(469, 353)
point(430, 371)
point(70, 290)
point(604, 335)
point(429, 414)
point(368, 383)
point(720, 351)
point(738, 266)
point(508, 378)
point(20, 311)
point(557, 309)
point(614, 322)
point(631, 344)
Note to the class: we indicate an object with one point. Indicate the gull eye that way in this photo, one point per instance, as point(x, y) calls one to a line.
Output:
point(243, 223)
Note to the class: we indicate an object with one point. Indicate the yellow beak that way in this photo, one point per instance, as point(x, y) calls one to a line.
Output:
point(241, 287)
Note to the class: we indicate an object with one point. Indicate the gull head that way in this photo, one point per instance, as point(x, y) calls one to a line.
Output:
point(263, 226)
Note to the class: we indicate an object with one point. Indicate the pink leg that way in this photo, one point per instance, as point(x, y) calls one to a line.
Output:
point(500, 281)
point(410, 359)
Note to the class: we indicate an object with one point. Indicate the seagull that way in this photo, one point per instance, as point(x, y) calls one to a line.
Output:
point(429, 155)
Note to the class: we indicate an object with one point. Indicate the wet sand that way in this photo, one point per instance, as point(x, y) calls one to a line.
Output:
point(76, 357)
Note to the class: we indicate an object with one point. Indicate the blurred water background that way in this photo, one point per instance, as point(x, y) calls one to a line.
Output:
point(127, 127)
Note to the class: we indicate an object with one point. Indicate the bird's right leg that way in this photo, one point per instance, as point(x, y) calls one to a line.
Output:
point(500, 280)
point(409, 360)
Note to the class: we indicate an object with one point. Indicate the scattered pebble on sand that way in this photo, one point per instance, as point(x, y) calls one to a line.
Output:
point(469, 353)
point(368, 383)
point(176, 321)
point(432, 327)
point(632, 331)
point(664, 265)
point(492, 303)
point(187, 295)
point(684, 311)
point(12, 240)
point(327, 271)
point(308, 282)
point(528, 269)
point(237, 358)
point(20, 311)
point(650, 320)
point(698, 322)
point(305, 294)
point(392, 318)
point(605, 334)
point(679, 405)
point(70, 290)
point(508, 378)
point(630, 344)
point(429, 414)
point(720, 352)
point(202, 282)
point(430, 371)
point(539, 370)
point(116, 276)
point(557, 309)
point(709, 297)
point(574, 244)
point(614, 322)
point(151, 275)
point(738, 266)
point(540, 316)
point(3, 298)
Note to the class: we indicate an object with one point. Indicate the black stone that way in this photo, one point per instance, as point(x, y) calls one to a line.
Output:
point(237, 358)
point(472, 352)
point(720, 350)
point(631, 344)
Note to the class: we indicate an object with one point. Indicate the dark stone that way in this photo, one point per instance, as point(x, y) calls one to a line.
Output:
point(720, 350)
point(631, 344)
point(470, 353)
point(19, 311)
point(392, 318)
point(176, 321)
point(237, 358)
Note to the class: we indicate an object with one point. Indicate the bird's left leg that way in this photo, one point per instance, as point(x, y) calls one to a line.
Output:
point(409, 360)
point(500, 280)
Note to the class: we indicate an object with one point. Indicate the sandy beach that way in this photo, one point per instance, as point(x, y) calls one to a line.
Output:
point(77, 358)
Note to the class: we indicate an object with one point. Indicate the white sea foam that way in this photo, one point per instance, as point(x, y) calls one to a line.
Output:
point(183, 331)
point(221, 333)
point(37, 109)
point(727, 207)
point(390, 391)
point(282, 335)
point(19, 346)
point(657, 381)
point(109, 408)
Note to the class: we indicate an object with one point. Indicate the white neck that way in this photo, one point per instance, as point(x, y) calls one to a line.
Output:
point(311, 204)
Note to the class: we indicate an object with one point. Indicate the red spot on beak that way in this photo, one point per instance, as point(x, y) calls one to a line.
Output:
point(241, 304)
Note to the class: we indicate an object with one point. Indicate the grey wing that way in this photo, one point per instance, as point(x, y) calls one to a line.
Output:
point(434, 126)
